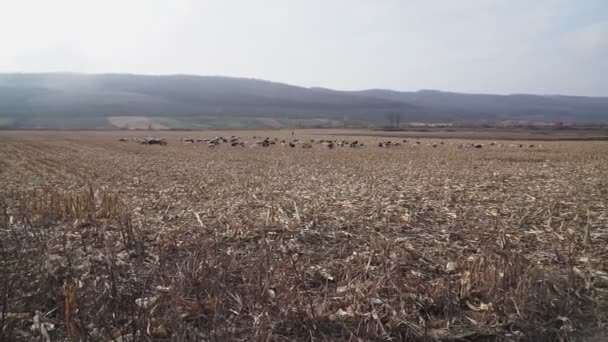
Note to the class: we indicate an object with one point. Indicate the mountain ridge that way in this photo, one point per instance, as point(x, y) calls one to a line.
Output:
point(90, 101)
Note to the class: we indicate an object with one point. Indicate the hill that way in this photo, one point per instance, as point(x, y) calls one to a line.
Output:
point(110, 101)
point(576, 109)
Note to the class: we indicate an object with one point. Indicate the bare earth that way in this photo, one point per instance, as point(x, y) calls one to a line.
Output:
point(105, 240)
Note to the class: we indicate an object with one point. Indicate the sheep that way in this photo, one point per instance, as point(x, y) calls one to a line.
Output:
point(154, 141)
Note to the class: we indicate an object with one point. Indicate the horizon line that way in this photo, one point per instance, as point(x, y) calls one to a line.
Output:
point(85, 73)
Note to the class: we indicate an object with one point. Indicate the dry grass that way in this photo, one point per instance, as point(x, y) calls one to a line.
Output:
point(103, 240)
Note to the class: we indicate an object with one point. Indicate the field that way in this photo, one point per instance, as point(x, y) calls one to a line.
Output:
point(103, 240)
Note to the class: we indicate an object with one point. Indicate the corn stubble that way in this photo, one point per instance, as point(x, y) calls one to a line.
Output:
point(109, 241)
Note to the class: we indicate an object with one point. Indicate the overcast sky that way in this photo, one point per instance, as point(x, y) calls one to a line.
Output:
point(502, 46)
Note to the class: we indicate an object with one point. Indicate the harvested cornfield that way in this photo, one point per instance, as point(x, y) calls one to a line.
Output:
point(426, 240)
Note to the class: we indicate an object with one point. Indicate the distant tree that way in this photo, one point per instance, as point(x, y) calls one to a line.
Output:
point(394, 120)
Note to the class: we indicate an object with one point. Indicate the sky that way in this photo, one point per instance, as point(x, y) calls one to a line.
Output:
point(480, 46)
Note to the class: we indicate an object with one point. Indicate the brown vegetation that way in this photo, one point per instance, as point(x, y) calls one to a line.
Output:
point(102, 240)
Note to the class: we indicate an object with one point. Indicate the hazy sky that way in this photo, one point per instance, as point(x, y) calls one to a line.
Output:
point(502, 46)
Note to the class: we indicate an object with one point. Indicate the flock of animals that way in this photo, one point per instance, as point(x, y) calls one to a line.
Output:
point(235, 141)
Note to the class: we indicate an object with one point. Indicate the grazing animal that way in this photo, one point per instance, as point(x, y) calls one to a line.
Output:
point(154, 141)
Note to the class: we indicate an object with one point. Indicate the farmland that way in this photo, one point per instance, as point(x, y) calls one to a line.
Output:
point(105, 240)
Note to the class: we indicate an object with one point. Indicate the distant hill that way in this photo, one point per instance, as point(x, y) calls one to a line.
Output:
point(577, 109)
point(110, 101)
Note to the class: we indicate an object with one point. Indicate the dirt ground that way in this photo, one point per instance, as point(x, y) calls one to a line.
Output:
point(116, 240)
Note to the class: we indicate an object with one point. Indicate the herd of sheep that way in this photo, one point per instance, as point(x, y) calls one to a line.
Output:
point(235, 141)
